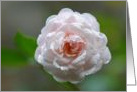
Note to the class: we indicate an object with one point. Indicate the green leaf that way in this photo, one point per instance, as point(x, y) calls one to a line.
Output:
point(11, 57)
point(70, 87)
point(26, 44)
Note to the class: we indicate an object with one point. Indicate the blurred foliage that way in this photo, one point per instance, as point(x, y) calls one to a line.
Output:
point(18, 57)
point(21, 72)
point(26, 44)
point(12, 57)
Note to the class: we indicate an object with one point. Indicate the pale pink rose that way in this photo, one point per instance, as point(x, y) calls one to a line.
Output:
point(71, 46)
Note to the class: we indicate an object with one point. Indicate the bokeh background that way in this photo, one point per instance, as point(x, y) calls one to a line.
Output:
point(21, 23)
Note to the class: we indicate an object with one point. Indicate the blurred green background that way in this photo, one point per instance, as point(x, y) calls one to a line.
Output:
point(21, 23)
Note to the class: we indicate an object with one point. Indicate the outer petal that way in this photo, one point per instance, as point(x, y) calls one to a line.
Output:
point(105, 55)
point(91, 20)
point(63, 75)
point(50, 18)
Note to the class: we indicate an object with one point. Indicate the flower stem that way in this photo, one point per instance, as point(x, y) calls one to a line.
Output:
point(70, 87)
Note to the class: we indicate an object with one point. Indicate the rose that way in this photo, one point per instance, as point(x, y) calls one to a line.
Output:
point(71, 46)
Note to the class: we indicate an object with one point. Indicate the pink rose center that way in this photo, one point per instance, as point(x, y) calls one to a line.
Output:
point(72, 45)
